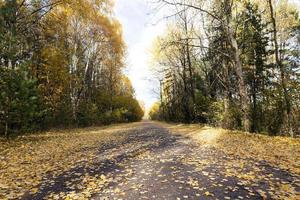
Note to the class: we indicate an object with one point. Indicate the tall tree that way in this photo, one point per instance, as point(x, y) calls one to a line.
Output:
point(280, 65)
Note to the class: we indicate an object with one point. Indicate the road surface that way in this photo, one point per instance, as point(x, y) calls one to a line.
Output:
point(153, 163)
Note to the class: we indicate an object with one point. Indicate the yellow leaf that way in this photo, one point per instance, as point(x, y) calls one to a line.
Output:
point(207, 193)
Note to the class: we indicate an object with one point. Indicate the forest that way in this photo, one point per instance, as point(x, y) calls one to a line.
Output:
point(234, 64)
point(75, 81)
point(61, 65)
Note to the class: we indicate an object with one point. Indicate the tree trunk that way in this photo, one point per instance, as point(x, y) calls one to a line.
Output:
point(186, 95)
point(238, 67)
point(227, 95)
point(189, 65)
point(287, 101)
point(162, 106)
point(254, 125)
point(6, 129)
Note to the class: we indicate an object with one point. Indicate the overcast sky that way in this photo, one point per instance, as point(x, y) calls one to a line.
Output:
point(139, 33)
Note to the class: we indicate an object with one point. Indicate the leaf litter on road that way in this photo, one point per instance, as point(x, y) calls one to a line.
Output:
point(147, 161)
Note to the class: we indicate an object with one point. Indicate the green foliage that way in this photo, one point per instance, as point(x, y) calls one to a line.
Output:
point(203, 109)
point(19, 101)
point(87, 114)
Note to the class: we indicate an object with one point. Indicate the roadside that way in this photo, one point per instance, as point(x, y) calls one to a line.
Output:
point(283, 152)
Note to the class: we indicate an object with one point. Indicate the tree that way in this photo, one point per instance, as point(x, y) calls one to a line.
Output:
point(244, 58)
point(19, 100)
point(154, 112)
point(252, 36)
point(66, 58)
point(223, 15)
point(280, 65)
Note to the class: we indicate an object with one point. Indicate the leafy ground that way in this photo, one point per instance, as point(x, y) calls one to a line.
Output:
point(150, 160)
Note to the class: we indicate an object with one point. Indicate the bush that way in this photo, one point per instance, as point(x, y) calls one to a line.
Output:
point(216, 113)
point(20, 108)
point(129, 108)
point(104, 111)
point(87, 114)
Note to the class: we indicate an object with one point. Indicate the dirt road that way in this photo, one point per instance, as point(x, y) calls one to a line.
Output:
point(152, 163)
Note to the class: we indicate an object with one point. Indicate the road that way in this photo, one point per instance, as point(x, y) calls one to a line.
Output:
point(153, 163)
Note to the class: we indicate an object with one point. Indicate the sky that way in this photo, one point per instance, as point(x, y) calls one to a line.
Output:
point(140, 31)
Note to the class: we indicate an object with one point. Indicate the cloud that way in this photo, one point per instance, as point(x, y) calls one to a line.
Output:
point(139, 35)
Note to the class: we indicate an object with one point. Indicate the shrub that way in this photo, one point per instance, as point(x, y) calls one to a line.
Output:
point(20, 108)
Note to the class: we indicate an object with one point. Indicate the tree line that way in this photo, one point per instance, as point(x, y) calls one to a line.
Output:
point(229, 63)
point(61, 64)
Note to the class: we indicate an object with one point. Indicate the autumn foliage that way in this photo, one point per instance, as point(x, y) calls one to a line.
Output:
point(61, 65)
